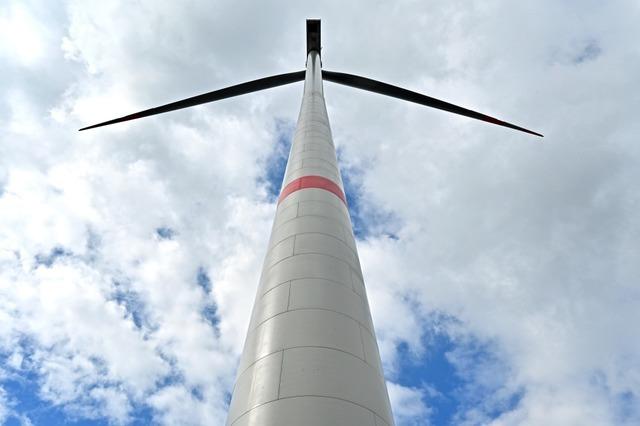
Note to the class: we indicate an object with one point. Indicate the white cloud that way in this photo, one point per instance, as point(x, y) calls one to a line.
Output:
point(4, 405)
point(408, 405)
point(21, 35)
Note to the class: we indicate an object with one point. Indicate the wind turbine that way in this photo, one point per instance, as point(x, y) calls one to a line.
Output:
point(310, 355)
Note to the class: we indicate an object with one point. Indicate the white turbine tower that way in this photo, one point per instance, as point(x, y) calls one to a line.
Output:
point(310, 356)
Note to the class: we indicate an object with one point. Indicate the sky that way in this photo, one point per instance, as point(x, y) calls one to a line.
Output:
point(502, 269)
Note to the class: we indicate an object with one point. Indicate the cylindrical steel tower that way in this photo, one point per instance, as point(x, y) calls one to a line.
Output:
point(311, 357)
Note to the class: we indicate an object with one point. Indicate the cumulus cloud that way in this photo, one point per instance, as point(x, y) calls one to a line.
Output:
point(408, 405)
point(523, 254)
point(4, 405)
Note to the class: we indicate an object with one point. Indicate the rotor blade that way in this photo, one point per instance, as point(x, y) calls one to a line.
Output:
point(216, 95)
point(407, 95)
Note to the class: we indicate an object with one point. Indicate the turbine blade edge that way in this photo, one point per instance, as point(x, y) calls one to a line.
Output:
point(408, 95)
point(216, 95)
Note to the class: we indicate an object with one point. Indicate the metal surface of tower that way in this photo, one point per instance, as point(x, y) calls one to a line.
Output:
point(311, 356)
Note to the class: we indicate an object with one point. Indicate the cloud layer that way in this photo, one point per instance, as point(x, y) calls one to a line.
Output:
point(129, 256)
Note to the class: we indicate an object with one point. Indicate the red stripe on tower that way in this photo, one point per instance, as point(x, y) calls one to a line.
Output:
point(317, 182)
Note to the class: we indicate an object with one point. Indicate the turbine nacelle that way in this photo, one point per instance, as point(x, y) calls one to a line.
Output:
point(313, 35)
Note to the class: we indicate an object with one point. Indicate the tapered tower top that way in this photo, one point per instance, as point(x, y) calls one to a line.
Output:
point(313, 35)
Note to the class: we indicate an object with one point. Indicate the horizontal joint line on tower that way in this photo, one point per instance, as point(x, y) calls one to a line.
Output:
point(309, 396)
point(312, 347)
point(351, 268)
point(305, 146)
point(348, 286)
point(354, 252)
point(311, 215)
point(332, 167)
point(340, 207)
point(251, 330)
point(306, 252)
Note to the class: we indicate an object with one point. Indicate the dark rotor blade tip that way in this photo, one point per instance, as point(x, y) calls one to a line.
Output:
point(494, 120)
point(89, 127)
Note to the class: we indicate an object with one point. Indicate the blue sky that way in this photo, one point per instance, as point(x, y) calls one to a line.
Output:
point(502, 272)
